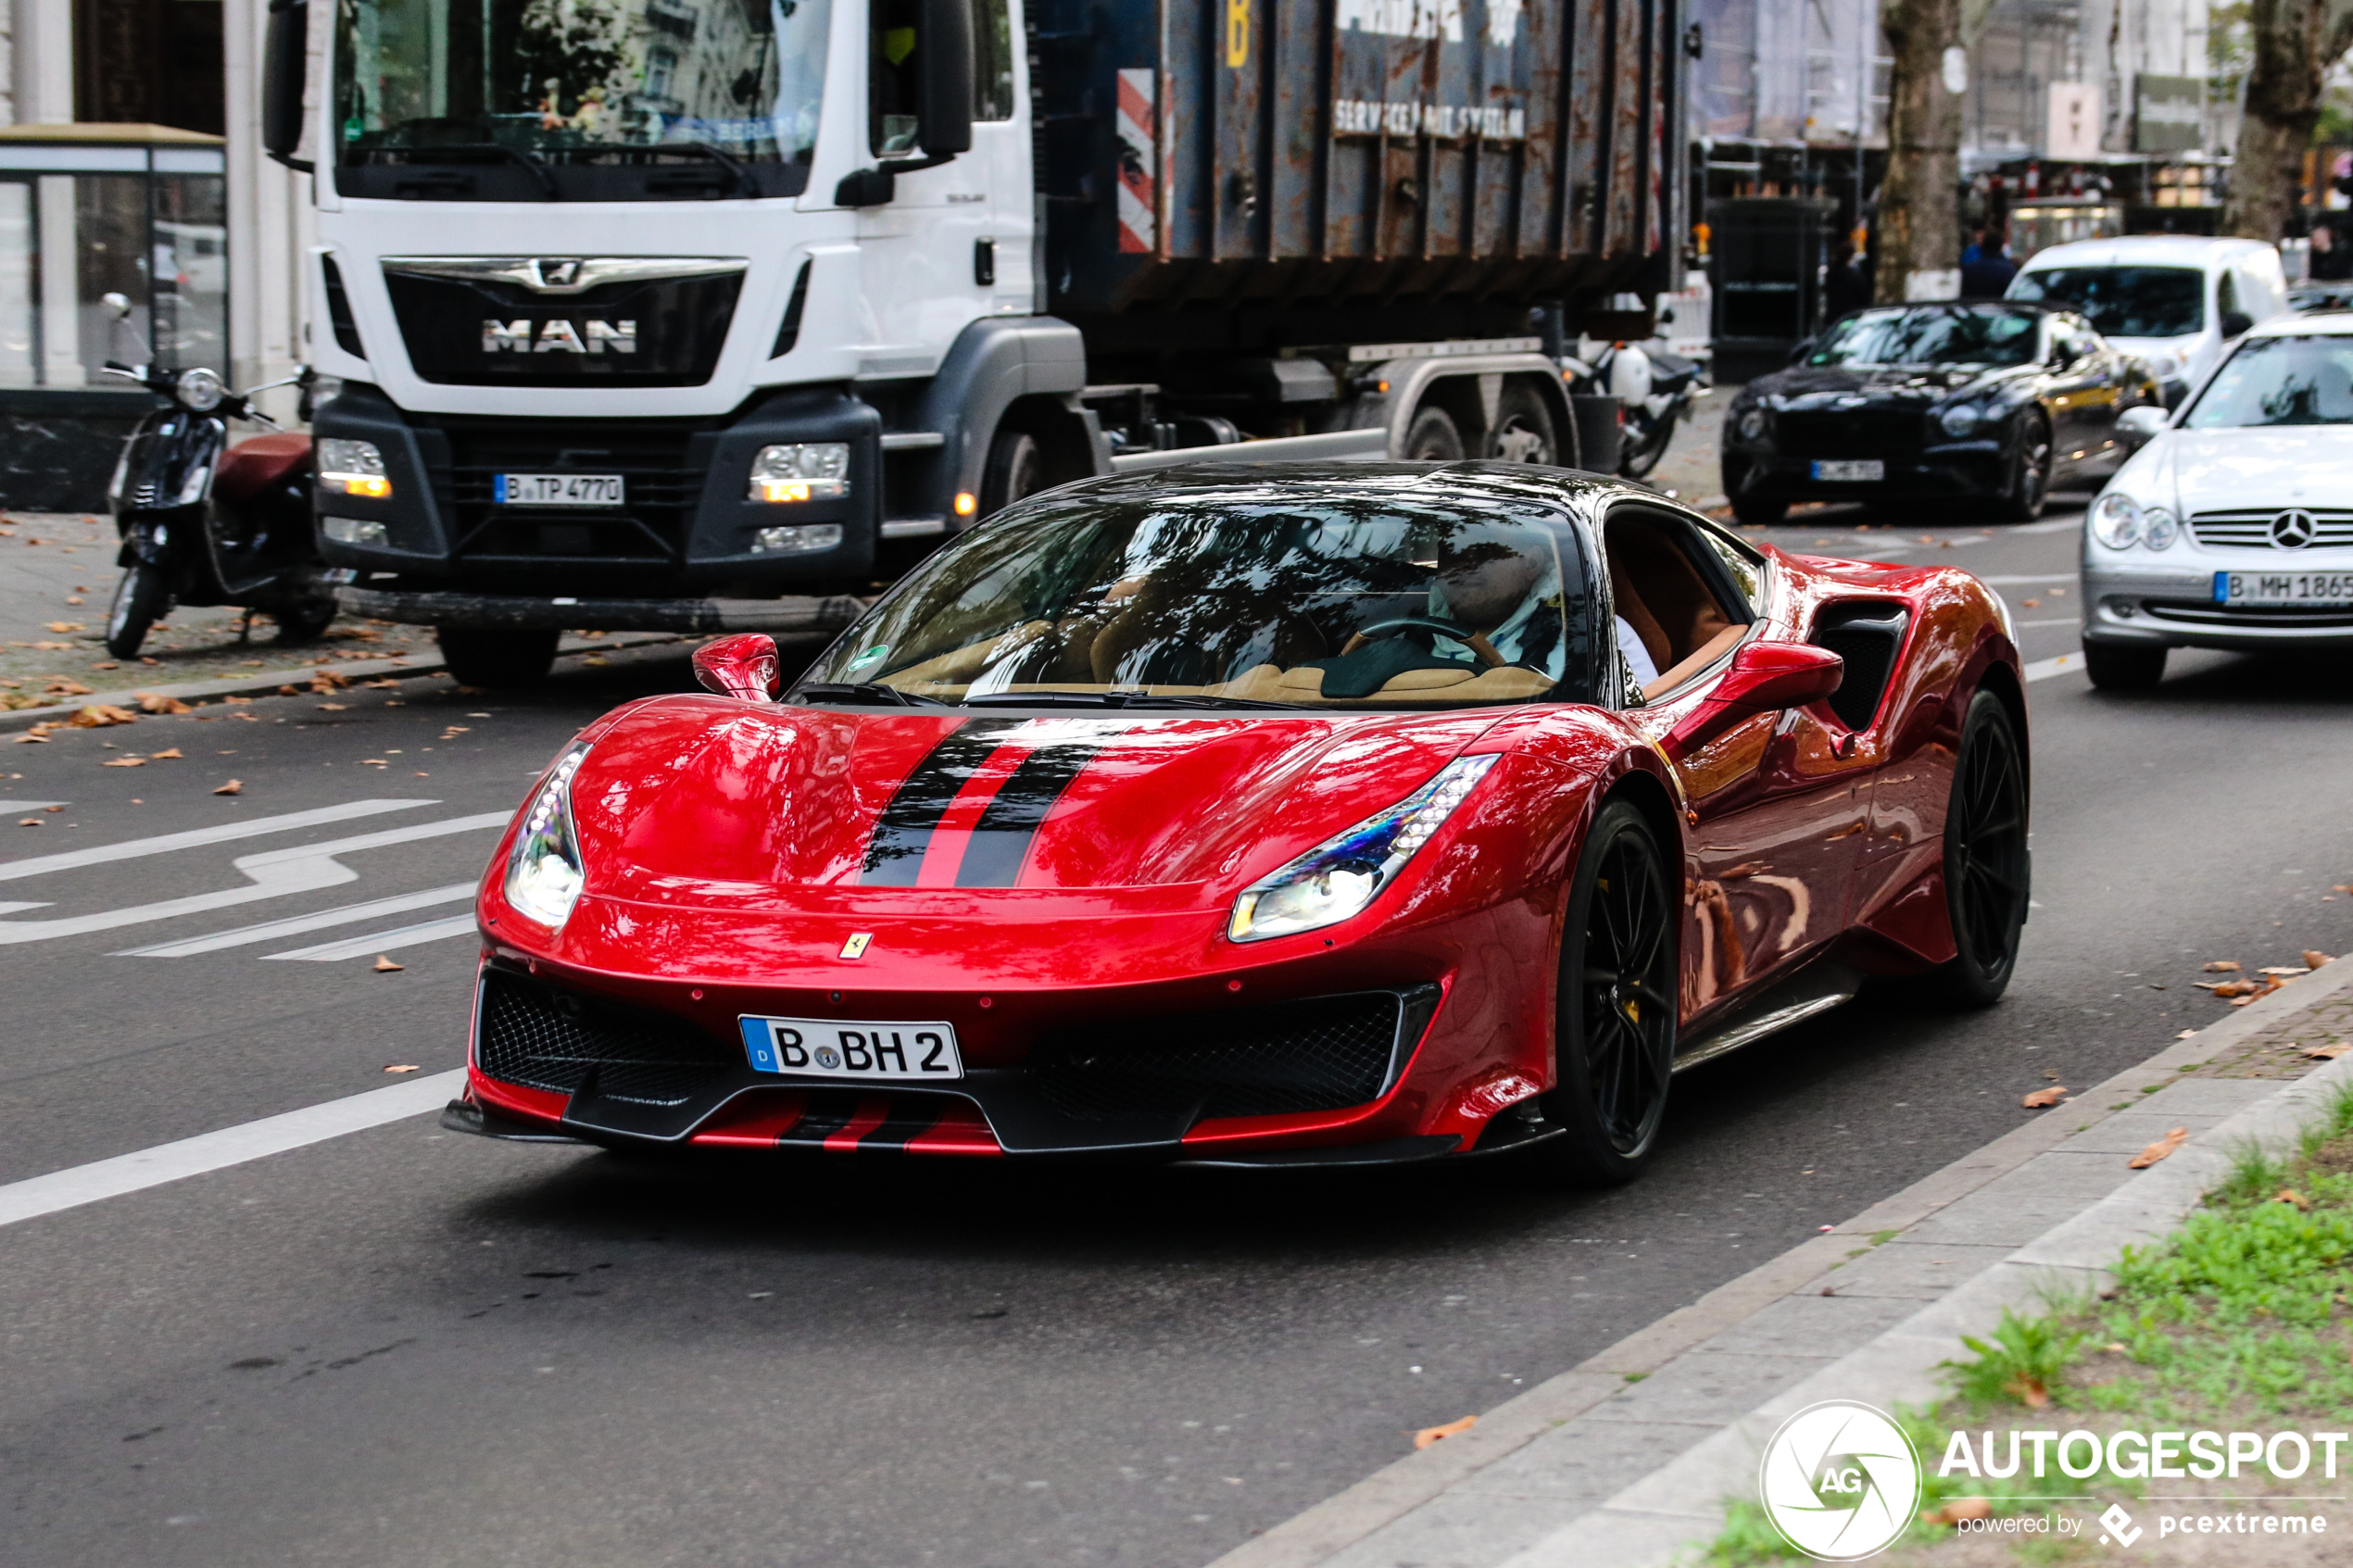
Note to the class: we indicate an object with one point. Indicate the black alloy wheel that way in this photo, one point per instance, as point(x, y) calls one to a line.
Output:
point(1613, 1031)
point(2026, 487)
point(1986, 864)
point(1523, 432)
point(2124, 666)
point(1433, 437)
point(140, 599)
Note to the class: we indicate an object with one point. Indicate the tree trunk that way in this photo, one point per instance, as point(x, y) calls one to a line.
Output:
point(2295, 42)
point(1919, 214)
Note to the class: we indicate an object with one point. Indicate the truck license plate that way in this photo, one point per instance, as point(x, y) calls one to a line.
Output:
point(557, 489)
point(2318, 589)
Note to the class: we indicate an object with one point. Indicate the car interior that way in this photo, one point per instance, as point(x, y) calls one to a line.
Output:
point(1671, 595)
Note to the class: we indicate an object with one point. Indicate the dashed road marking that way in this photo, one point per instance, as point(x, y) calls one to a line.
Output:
point(163, 844)
point(384, 941)
point(294, 925)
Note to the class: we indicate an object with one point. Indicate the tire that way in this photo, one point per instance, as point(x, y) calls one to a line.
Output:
point(305, 622)
point(2026, 488)
point(1523, 430)
point(1638, 462)
point(1433, 437)
point(140, 599)
point(1753, 512)
point(1987, 870)
point(485, 657)
point(1612, 1063)
point(2127, 667)
point(1016, 468)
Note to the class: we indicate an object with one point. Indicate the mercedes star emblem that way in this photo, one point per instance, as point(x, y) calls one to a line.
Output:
point(2293, 529)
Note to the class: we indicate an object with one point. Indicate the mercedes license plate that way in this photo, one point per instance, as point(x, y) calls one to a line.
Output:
point(1868, 470)
point(828, 1048)
point(2316, 588)
point(557, 489)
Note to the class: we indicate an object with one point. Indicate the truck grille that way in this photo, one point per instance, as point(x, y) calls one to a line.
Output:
point(674, 327)
point(2249, 528)
point(661, 463)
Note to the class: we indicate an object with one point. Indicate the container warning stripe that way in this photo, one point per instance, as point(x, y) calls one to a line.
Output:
point(1139, 195)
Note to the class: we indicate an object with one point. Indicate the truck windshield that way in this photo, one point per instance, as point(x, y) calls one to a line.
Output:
point(529, 89)
point(2123, 301)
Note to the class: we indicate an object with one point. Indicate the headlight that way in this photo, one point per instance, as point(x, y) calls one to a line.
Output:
point(199, 389)
point(1341, 876)
point(352, 468)
point(2116, 520)
point(1751, 424)
point(1959, 420)
point(2158, 529)
point(543, 875)
point(816, 471)
point(367, 532)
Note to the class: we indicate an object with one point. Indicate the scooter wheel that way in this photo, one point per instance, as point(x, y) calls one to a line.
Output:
point(140, 599)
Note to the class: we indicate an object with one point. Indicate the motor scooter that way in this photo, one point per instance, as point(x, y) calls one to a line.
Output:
point(204, 523)
point(1654, 388)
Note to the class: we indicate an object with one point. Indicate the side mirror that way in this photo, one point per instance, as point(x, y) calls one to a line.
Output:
point(2236, 323)
point(1763, 678)
point(1797, 355)
point(284, 64)
point(944, 62)
point(2140, 424)
point(743, 666)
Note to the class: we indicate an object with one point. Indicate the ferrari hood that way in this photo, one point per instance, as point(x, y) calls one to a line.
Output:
point(691, 796)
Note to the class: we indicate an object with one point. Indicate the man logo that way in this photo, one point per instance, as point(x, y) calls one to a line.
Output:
point(560, 336)
point(1840, 1481)
point(2293, 529)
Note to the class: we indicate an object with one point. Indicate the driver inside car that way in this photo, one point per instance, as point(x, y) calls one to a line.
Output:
point(1491, 603)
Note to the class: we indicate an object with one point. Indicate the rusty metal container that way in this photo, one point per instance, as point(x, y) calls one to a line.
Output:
point(1322, 167)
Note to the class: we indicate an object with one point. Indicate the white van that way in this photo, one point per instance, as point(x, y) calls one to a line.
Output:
point(2172, 301)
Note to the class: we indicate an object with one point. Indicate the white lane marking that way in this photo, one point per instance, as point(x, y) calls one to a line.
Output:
point(2059, 621)
point(9, 909)
point(8, 805)
point(384, 941)
point(306, 868)
point(294, 925)
point(2066, 663)
point(2048, 525)
point(230, 1145)
point(133, 848)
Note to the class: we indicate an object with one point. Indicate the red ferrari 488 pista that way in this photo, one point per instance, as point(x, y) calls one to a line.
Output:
point(1266, 815)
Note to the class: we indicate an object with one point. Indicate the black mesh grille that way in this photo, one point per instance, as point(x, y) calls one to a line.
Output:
point(1321, 1055)
point(1866, 637)
point(1850, 433)
point(660, 463)
point(547, 1039)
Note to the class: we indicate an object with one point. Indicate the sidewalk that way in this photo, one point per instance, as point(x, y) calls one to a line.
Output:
point(1626, 1461)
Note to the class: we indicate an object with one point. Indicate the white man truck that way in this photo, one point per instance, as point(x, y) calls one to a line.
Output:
point(709, 315)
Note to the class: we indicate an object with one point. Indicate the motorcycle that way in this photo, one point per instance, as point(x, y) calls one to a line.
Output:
point(204, 523)
point(1653, 389)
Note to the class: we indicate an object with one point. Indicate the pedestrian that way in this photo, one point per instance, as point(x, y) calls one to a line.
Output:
point(1848, 286)
point(2332, 254)
point(1986, 268)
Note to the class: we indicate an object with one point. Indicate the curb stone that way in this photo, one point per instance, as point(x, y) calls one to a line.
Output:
point(1586, 1470)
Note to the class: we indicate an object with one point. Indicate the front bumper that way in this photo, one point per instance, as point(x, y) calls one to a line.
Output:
point(1972, 469)
point(2130, 600)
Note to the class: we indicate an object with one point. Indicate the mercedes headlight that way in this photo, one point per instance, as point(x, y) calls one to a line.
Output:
point(1751, 424)
point(1341, 876)
point(543, 873)
point(1959, 420)
point(200, 390)
point(2159, 528)
point(815, 470)
point(2116, 520)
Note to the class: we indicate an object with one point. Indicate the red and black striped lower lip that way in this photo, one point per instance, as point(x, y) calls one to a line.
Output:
point(966, 814)
point(865, 1121)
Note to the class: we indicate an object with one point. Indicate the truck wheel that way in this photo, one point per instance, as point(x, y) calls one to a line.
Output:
point(140, 601)
point(1433, 438)
point(1523, 432)
point(1017, 468)
point(482, 657)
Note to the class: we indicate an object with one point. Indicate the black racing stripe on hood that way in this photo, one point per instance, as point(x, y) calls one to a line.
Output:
point(895, 852)
point(1001, 839)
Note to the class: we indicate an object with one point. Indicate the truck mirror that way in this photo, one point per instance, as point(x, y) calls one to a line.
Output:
point(944, 61)
point(283, 67)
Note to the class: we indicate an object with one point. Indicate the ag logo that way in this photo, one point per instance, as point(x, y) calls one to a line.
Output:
point(1840, 1481)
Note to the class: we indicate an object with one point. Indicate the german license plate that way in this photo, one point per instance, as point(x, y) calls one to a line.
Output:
point(828, 1048)
point(557, 489)
point(2316, 588)
point(1868, 470)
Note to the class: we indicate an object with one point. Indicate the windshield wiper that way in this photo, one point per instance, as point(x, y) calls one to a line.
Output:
point(513, 155)
point(1201, 700)
point(861, 691)
point(745, 182)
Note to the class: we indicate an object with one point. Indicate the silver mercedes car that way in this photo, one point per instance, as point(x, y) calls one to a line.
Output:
point(2233, 528)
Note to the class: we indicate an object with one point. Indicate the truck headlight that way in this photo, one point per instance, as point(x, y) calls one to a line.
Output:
point(544, 876)
point(366, 533)
point(2116, 520)
point(813, 471)
point(1341, 876)
point(352, 468)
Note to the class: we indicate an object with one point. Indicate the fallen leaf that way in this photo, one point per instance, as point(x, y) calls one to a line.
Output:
point(105, 664)
point(2050, 1074)
point(167, 754)
point(1429, 1435)
point(2289, 1195)
point(2031, 604)
point(2159, 1149)
point(398, 1066)
point(33, 738)
point(63, 688)
point(2186, 1035)
point(125, 763)
point(385, 966)
point(333, 707)
point(30, 823)
point(2227, 987)
point(2042, 1099)
point(2314, 957)
point(101, 715)
point(235, 786)
point(2290, 971)
point(2116, 1347)
point(71, 600)
point(2328, 1052)
point(2222, 966)
point(61, 627)
point(2029, 1391)
point(154, 702)
point(52, 647)
point(384, 685)
point(1958, 1510)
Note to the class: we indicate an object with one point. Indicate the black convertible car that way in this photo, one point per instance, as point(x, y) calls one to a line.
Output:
point(1987, 402)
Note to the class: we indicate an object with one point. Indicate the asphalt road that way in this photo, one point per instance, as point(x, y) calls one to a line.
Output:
point(405, 1346)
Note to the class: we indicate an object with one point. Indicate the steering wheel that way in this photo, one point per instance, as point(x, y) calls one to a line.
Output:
point(1416, 622)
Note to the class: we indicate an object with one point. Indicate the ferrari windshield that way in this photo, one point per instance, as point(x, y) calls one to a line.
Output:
point(1938, 334)
point(2122, 301)
point(1238, 598)
point(2280, 381)
point(579, 80)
